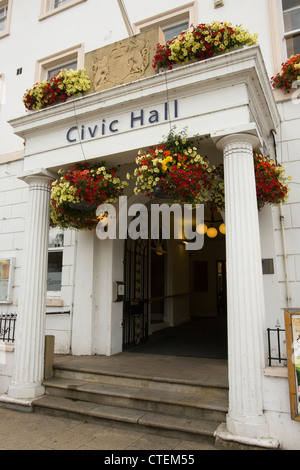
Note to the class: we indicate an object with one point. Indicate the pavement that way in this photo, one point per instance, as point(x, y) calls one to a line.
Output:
point(32, 431)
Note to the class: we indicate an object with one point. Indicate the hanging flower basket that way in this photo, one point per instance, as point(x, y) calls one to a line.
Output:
point(271, 183)
point(58, 89)
point(202, 42)
point(76, 195)
point(174, 170)
point(289, 76)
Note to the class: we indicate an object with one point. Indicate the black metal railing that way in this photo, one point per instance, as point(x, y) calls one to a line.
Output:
point(8, 327)
point(275, 345)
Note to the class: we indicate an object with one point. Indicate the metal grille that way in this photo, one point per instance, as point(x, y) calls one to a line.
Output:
point(8, 327)
point(136, 311)
point(275, 345)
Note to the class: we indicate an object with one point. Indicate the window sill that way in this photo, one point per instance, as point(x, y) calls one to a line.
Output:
point(50, 302)
point(3, 35)
point(280, 96)
point(54, 302)
point(47, 14)
point(7, 347)
point(281, 372)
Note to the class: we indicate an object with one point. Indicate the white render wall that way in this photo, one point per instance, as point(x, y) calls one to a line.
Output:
point(289, 155)
point(13, 205)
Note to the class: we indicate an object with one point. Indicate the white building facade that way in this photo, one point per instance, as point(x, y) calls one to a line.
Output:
point(228, 98)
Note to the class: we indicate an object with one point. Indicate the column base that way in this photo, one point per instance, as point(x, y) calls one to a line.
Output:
point(26, 391)
point(255, 427)
point(224, 439)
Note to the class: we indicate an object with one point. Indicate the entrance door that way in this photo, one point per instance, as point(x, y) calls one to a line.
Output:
point(136, 299)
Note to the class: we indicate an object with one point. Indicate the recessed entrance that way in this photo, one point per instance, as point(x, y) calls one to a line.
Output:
point(182, 305)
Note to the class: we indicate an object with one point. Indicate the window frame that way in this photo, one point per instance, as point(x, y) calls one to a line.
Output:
point(187, 12)
point(10, 261)
point(47, 10)
point(2, 89)
point(59, 59)
point(288, 34)
point(7, 3)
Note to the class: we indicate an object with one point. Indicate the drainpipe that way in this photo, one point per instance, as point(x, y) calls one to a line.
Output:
point(285, 257)
point(126, 18)
point(75, 241)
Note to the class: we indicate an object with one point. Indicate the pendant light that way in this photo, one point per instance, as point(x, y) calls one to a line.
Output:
point(212, 232)
point(222, 229)
point(201, 229)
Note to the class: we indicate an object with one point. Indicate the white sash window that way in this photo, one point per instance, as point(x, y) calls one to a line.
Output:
point(291, 19)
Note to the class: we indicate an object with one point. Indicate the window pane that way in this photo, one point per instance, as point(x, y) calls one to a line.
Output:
point(58, 3)
point(54, 270)
point(56, 237)
point(174, 31)
point(3, 13)
point(293, 45)
point(287, 4)
point(68, 66)
point(292, 20)
point(2, 25)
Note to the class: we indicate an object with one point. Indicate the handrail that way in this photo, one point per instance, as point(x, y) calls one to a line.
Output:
point(154, 299)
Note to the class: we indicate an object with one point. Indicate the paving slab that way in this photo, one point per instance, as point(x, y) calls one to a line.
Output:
point(42, 432)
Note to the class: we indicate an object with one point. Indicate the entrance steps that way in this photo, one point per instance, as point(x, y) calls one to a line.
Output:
point(161, 405)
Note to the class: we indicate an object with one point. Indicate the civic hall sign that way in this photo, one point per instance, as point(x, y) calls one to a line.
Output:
point(134, 119)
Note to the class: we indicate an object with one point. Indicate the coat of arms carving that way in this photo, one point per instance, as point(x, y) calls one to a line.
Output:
point(125, 63)
point(122, 62)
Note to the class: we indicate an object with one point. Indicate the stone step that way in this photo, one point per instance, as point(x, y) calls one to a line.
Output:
point(149, 399)
point(200, 430)
point(213, 390)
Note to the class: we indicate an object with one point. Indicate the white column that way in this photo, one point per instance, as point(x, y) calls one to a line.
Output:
point(29, 347)
point(245, 294)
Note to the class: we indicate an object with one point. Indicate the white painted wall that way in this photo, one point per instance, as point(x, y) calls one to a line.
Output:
point(277, 409)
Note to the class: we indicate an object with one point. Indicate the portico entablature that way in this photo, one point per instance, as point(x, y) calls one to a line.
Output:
point(215, 97)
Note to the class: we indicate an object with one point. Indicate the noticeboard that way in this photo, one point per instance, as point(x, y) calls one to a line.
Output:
point(292, 325)
point(6, 273)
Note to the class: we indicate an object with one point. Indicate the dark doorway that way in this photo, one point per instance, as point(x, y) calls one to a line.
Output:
point(136, 298)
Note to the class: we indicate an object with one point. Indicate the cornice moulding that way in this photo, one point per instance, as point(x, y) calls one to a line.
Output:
point(241, 66)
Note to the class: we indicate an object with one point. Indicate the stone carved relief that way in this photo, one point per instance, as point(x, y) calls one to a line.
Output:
point(122, 62)
point(125, 63)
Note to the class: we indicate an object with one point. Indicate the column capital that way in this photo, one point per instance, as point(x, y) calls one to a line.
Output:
point(37, 176)
point(237, 140)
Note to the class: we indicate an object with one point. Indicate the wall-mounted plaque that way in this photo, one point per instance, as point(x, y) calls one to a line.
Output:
point(6, 274)
point(292, 326)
